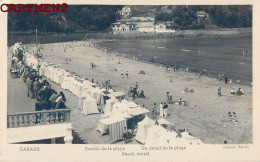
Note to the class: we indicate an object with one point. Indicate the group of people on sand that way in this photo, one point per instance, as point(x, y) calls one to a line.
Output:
point(141, 72)
point(222, 77)
point(126, 74)
point(163, 110)
point(135, 93)
point(203, 72)
point(239, 92)
point(168, 68)
point(232, 117)
point(93, 65)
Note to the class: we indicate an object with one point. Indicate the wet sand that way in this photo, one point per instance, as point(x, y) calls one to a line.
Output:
point(203, 116)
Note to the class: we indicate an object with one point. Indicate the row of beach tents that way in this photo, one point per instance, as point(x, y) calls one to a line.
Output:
point(151, 132)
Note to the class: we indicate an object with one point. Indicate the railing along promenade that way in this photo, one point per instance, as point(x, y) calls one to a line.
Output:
point(45, 117)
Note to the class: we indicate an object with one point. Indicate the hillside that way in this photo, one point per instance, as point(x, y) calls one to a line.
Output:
point(99, 18)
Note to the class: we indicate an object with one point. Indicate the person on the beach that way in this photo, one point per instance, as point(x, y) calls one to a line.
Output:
point(135, 94)
point(229, 114)
point(219, 91)
point(136, 84)
point(130, 92)
point(165, 109)
point(180, 101)
point(219, 77)
point(226, 80)
point(125, 134)
point(122, 73)
point(233, 91)
point(234, 114)
point(141, 95)
point(239, 92)
point(168, 68)
point(154, 111)
point(161, 109)
point(126, 73)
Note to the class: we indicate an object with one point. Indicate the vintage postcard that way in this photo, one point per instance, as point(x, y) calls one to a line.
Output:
point(129, 81)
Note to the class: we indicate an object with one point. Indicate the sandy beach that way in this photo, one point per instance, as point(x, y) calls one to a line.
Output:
point(205, 113)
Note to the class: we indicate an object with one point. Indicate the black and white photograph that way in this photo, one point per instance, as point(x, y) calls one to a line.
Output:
point(131, 75)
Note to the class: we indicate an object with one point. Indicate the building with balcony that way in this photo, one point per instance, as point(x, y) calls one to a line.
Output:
point(134, 24)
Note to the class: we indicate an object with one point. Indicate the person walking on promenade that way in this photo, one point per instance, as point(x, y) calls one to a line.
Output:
point(28, 83)
point(36, 87)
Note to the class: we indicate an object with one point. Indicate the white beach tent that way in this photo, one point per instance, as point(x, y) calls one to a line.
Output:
point(142, 129)
point(109, 105)
point(120, 109)
point(89, 105)
point(155, 135)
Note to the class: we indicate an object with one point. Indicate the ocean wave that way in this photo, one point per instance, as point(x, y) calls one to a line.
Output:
point(185, 50)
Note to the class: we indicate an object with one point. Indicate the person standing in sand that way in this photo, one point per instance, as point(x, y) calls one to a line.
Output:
point(161, 109)
point(154, 112)
point(165, 109)
point(126, 74)
point(125, 134)
point(219, 91)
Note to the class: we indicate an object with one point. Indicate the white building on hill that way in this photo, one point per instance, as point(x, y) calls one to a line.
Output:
point(134, 24)
point(161, 27)
point(202, 15)
point(124, 27)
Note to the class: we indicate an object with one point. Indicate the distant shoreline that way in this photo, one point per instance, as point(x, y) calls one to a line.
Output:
point(29, 37)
